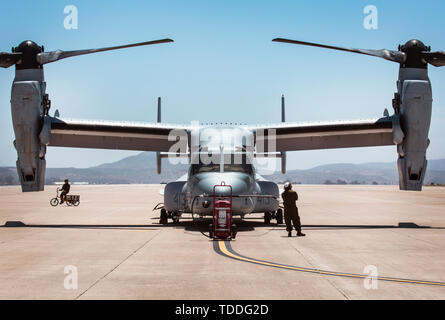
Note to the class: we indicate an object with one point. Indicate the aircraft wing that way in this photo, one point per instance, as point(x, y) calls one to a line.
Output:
point(343, 134)
point(288, 136)
point(110, 135)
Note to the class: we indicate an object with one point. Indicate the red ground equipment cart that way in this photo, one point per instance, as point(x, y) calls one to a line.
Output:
point(222, 227)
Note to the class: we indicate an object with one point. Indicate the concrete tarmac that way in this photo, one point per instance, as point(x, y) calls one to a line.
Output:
point(120, 250)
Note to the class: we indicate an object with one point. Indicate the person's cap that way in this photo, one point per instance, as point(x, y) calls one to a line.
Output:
point(287, 185)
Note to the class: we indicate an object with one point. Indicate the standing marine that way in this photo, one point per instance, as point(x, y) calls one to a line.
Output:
point(291, 216)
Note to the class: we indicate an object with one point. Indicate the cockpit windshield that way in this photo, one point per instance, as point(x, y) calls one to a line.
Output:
point(199, 168)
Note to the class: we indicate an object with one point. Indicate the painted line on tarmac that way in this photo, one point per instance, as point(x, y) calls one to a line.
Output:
point(225, 249)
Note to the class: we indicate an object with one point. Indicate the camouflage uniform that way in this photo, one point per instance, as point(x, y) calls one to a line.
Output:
point(290, 198)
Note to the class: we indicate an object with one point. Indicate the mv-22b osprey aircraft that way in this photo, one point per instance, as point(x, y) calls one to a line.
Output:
point(35, 129)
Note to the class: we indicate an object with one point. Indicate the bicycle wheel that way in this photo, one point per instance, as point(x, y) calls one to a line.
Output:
point(76, 203)
point(68, 203)
point(54, 202)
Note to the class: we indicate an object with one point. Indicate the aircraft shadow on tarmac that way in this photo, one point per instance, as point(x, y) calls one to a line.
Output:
point(202, 225)
point(199, 225)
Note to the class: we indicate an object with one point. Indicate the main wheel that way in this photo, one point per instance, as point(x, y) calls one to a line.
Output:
point(211, 231)
point(76, 203)
point(69, 203)
point(163, 219)
point(234, 231)
point(54, 202)
point(267, 217)
point(279, 216)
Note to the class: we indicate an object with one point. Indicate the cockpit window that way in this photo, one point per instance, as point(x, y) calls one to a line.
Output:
point(244, 168)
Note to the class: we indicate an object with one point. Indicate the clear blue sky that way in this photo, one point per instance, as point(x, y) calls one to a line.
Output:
point(222, 66)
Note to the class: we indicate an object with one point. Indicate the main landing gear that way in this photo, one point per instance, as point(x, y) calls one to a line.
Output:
point(278, 215)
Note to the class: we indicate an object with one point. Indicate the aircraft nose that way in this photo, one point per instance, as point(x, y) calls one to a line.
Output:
point(241, 184)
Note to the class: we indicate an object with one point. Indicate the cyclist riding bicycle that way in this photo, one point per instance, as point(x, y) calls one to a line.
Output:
point(65, 189)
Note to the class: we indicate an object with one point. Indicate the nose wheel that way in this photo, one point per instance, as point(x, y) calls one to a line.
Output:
point(267, 217)
point(175, 217)
point(164, 216)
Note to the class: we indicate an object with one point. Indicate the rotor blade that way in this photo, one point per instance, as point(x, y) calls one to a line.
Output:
point(47, 57)
point(395, 56)
point(9, 59)
point(437, 58)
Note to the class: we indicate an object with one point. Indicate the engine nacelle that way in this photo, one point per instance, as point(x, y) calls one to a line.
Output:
point(28, 121)
point(414, 109)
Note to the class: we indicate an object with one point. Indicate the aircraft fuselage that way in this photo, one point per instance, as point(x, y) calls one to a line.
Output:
point(223, 155)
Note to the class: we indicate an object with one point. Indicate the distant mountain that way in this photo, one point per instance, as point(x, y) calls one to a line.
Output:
point(8, 176)
point(342, 175)
point(141, 168)
point(141, 161)
point(436, 165)
point(365, 173)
